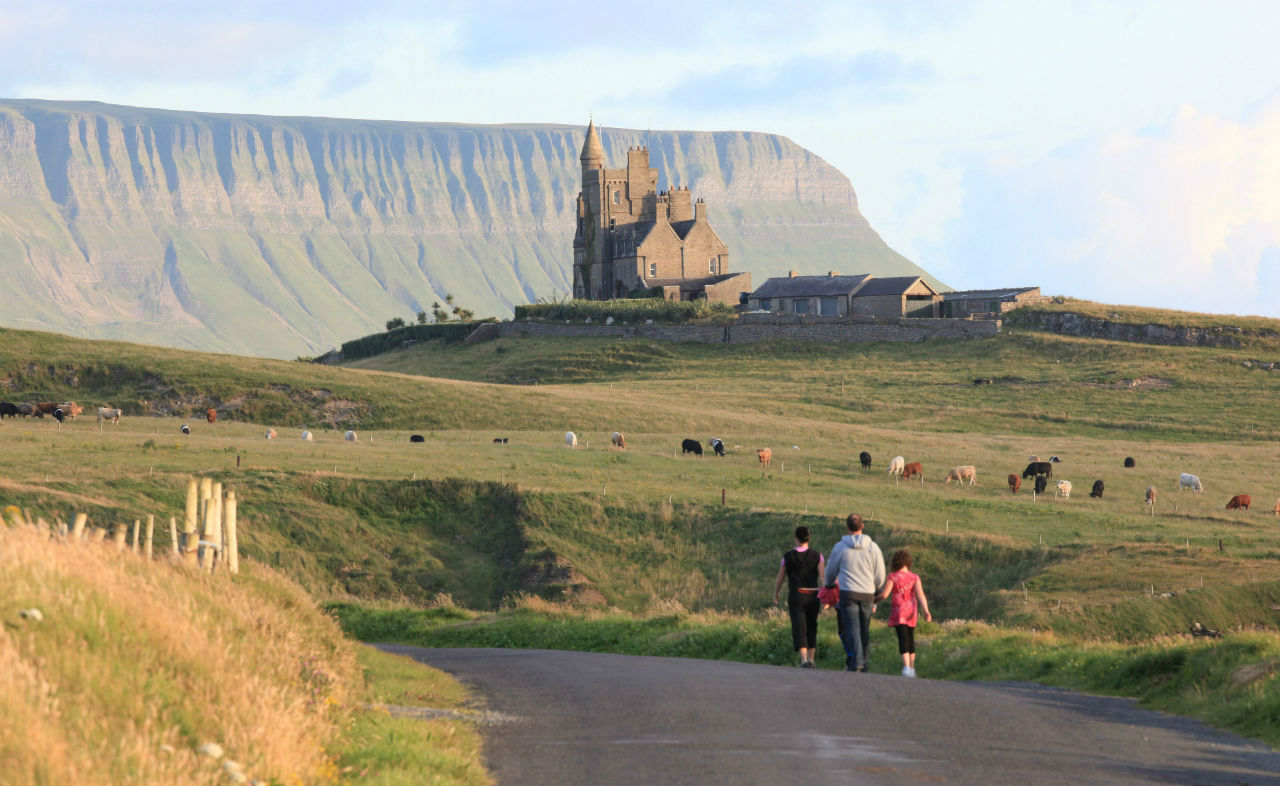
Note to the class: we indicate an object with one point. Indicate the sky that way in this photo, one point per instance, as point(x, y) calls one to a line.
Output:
point(1122, 151)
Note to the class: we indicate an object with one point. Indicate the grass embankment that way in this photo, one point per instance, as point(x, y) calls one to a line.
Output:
point(131, 667)
point(1265, 327)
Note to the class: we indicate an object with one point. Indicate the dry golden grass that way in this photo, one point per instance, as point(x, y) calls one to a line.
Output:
point(135, 665)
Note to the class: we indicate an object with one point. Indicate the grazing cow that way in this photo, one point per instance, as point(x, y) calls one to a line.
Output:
point(306, 436)
point(1151, 495)
point(1129, 463)
point(765, 455)
point(1277, 510)
point(1042, 483)
point(691, 446)
point(618, 440)
point(417, 438)
point(717, 446)
point(1038, 468)
point(1054, 460)
point(1188, 481)
point(8, 410)
point(211, 415)
point(350, 436)
point(864, 458)
point(896, 466)
point(27, 410)
point(570, 439)
point(269, 434)
point(1240, 501)
point(186, 430)
point(59, 415)
point(1098, 488)
point(1064, 488)
point(45, 408)
point(1033, 457)
point(911, 470)
point(958, 474)
point(496, 440)
point(1015, 483)
point(109, 413)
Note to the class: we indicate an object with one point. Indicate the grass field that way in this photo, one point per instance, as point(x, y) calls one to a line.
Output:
point(398, 527)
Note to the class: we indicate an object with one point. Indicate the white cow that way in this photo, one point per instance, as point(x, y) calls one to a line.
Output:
point(570, 439)
point(109, 413)
point(269, 434)
point(1064, 488)
point(350, 436)
point(897, 465)
point(1188, 481)
point(960, 474)
point(306, 436)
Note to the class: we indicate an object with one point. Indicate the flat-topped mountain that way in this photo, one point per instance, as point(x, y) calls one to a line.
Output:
point(280, 235)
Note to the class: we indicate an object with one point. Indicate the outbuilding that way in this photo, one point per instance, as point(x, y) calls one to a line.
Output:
point(973, 302)
point(826, 296)
point(898, 296)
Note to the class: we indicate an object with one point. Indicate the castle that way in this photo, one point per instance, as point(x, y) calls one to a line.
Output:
point(631, 238)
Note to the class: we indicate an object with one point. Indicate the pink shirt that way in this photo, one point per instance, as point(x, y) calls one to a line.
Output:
point(903, 598)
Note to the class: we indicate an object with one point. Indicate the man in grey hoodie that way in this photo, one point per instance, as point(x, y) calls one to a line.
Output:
point(857, 565)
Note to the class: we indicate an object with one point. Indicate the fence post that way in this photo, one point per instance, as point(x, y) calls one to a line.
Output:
point(77, 526)
point(137, 526)
point(219, 540)
point(118, 535)
point(189, 547)
point(233, 541)
point(206, 527)
point(173, 534)
point(151, 531)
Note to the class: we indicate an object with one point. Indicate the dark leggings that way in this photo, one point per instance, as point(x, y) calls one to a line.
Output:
point(804, 608)
point(906, 639)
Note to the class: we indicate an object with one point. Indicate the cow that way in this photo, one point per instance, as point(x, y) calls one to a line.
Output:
point(896, 466)
point(765, 455)
point(496, 440)
point(70, 410)
point(417, 438)
point(865, 459)
point(958, 474)
point(570, 439)
point(1188, 481)
point(1151, 495)
point(911, 470)
point(8, 410)
point(1098, 488)
point(1038, 468)
point(1033, 457)
point(1064, 488)
point(717, 446)
point(618, 440)
point(1129, 463)
point(1015, 483)
point(109, 413)
point(269, 434)
point(1277, 510)
point(350, 436)
point(45, 408)
point(211, 415)
point(27, 410)
point(691, 446)
point(1240, 501)
point(1042, 483)
point(186, 430)
point(59, 415)
point(306, 436)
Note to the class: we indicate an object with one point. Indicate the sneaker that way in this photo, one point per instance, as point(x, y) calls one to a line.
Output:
point(911, 673)
point(907, 672)
point(850, 664)
point(807, 665)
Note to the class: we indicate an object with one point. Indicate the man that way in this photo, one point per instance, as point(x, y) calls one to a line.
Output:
point(857, 566)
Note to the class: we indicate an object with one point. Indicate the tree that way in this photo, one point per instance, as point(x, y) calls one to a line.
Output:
point(422, 317)
point(392, 324)
point(439, 313)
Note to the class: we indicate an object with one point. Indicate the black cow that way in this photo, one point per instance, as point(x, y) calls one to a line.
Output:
point(8, 410)
point(417, 438)
point(1098, 488)
point(59, 415)
point(865, 458)
point(1041, 483)
point(1038, 468)
point(1055, 459)
point(1129, 463)
point(186, 429)
point(717, 446)
point(691, 446)
point(499, 440)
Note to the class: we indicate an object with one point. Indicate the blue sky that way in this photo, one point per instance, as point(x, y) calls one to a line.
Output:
point(1121, 151)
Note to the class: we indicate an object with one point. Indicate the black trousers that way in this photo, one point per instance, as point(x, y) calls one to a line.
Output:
point(906, 639)
point(804, 608)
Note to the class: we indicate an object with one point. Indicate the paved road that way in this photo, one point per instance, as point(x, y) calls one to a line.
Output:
point(584, 718)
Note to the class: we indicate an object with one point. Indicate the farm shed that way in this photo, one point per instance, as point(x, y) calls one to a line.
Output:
point(899, 296)
point(964, 303)
point(817, 295)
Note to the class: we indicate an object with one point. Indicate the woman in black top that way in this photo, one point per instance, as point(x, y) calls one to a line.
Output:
point(803, 569)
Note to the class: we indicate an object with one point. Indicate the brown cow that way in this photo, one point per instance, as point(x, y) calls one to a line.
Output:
point(618, 440)
point(1015, 483)
point(765, 455)
point(1240, 501)
point(912, 469)
point(1277, 510)
point(1151, 495)
point(211, 415)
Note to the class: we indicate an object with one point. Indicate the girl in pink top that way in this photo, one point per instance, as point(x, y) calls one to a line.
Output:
point(906, 595)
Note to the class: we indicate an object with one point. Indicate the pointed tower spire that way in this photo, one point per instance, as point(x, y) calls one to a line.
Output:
point(592, 151)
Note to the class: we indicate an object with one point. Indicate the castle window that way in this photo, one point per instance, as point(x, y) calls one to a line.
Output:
point(617, 197)
point(653, 270)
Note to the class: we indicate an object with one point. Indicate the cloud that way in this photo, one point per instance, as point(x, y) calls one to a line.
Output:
point(1184, 215)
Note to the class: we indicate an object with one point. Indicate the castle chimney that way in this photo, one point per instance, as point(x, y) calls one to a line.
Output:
point(699, 211)
point(832, 274)
point(791, 274)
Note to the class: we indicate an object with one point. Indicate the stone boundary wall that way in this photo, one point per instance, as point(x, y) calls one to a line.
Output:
point(1069, 323)
point(752, 328)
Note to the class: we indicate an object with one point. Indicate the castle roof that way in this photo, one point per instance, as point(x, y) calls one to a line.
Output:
point(592, 150)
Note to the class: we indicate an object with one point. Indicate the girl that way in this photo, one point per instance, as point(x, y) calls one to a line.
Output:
point(802, 569)
point(906, 591)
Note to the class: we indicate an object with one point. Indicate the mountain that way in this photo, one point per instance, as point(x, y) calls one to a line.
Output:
point(286, 235)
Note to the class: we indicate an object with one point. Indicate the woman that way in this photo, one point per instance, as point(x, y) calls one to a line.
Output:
point(802, 568)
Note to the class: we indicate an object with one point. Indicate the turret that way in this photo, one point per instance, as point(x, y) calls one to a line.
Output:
point(592, 151)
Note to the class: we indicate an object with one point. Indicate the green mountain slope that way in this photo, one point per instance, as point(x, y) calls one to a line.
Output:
point(278, 236)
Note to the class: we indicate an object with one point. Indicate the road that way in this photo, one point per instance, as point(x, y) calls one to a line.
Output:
point(587, 718)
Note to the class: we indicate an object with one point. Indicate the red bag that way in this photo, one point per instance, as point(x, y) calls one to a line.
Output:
point(829, 597)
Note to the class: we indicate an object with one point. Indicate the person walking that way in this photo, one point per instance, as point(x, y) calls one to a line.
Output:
point(857, 567)
point(906, 595)
point(802, 568)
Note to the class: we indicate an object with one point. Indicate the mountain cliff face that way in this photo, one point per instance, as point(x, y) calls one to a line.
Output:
point(280, 236)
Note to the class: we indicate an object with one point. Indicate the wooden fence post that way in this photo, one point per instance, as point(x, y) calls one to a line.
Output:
point(189, 548)
point(233, 541)
point(77, 526)
point(219, 557)
point(207, 527)
point(173, 534)
point(151, 531)
point(118, 535)
point(137, 527)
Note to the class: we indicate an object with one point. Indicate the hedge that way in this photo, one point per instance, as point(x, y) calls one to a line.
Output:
point(629, 310)
point(378, 343)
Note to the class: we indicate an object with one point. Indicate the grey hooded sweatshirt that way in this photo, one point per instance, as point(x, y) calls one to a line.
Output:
point(857, 565)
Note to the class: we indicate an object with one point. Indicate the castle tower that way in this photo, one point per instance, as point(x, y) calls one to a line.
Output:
point(592, 151)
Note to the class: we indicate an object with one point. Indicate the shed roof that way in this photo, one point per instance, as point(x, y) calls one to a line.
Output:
point(809, 286)
point(691, 284)
point(894, 285)
point(987, 294)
